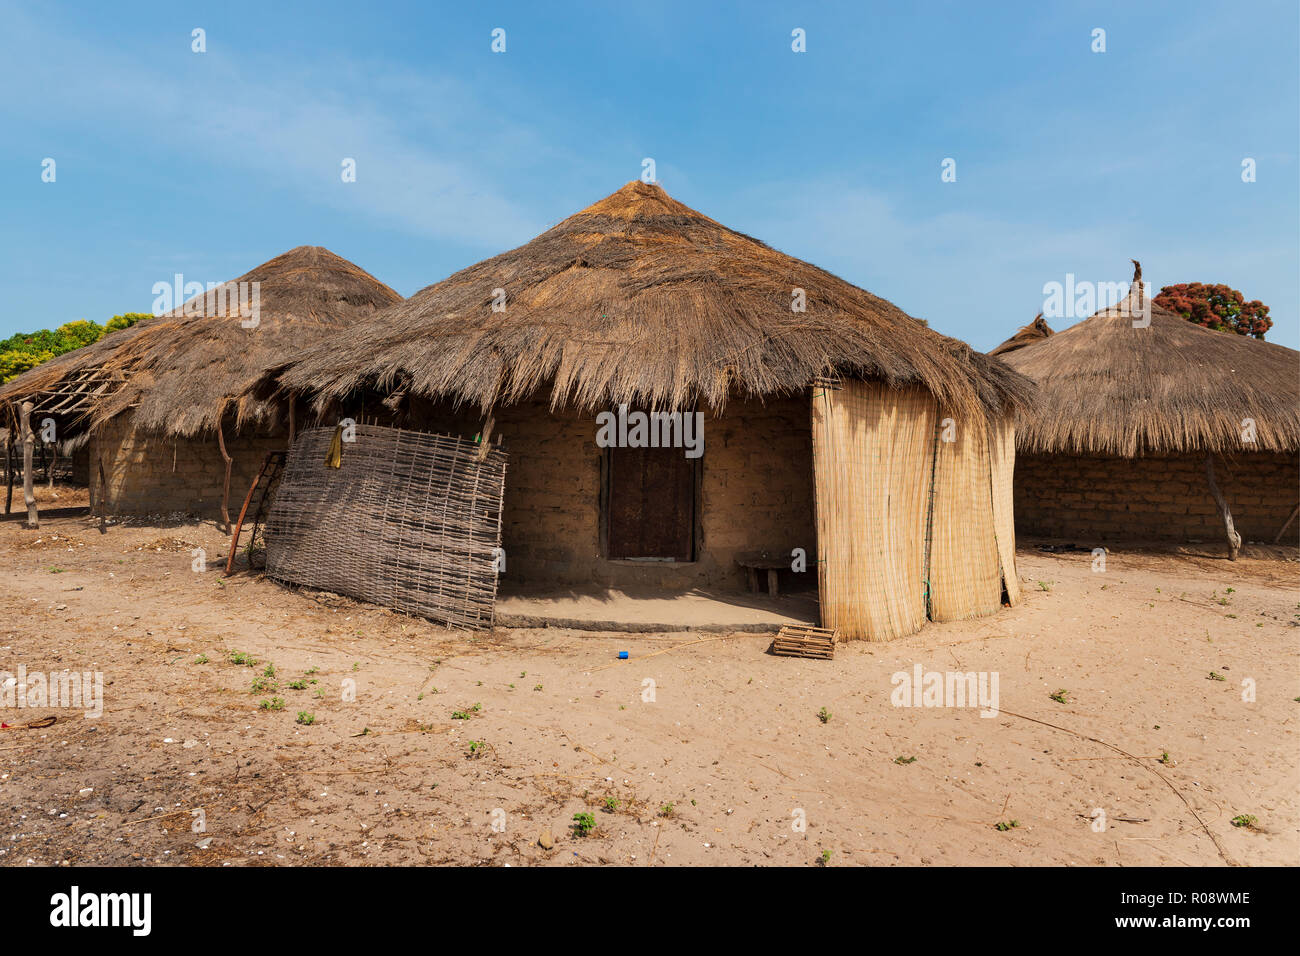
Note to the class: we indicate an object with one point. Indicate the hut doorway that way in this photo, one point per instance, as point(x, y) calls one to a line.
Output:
point(649, 500)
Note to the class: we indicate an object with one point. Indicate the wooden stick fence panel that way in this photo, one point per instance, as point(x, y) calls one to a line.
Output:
point(798, 640)
point(408, 520)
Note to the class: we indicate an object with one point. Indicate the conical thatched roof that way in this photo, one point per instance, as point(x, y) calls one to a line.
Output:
point(1035, 331)
point(181, 372)
point(641, 299)
point(1107, 388)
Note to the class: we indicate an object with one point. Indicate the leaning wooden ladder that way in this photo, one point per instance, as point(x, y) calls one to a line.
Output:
point(266, 478)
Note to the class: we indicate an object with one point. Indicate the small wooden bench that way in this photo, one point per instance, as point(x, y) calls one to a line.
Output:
point(770, 561)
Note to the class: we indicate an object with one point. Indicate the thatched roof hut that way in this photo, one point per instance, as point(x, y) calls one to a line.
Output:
point(641, 299)
point(1116, 388)
point(188, 373)
point(825, 408)
point(1035, 331)
point(1106, 387)
point(183, 372)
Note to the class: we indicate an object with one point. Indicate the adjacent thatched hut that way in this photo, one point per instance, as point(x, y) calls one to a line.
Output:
point(167, 404)
point(833, 422)
point(1035, 331)
point(1156, 432)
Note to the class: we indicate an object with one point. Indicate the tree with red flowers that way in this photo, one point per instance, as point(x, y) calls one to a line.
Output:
point(1216, 307)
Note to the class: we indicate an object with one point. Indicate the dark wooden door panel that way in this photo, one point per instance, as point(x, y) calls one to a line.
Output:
point(651, 503)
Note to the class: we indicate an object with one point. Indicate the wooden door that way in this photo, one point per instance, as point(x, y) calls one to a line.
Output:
point(651, 504)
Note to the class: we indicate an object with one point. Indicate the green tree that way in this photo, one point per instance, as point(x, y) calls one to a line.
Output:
point(1216, 307)
point(69, 336)
point(74, 335)
point(14, 362)
point(125, 321)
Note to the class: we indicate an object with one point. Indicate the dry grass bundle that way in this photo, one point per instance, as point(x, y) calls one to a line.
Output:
point(909, 524)
point(1002, 466)
point(1107, 388)
point(182, 373)
point(965, 566)
point(641, 299)
point(872, 454)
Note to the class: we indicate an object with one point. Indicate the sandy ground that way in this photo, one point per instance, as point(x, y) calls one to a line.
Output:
point(647, 612)
point(463, 748)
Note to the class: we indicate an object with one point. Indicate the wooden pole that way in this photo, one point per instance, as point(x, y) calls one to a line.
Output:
point(29, 445)
point(485, 436)
point(225, 492)
point(100, 499)
point(49, 469)
point(9, 453)
point(1294, 512)
point(1234, 539)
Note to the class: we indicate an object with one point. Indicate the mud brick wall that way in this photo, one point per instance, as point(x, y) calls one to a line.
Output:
point(756, 492)
point(151, 474)
point(758, 486)
point(1154, 499)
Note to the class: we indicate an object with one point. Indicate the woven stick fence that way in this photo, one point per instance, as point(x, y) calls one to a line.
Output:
point(409, 520)
point(1002, 465)
point(908, 525)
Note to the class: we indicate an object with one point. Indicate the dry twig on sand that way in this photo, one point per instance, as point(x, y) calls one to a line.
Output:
point(1139, 761)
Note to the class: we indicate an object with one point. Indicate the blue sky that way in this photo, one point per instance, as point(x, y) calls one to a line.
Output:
point(1068, 161)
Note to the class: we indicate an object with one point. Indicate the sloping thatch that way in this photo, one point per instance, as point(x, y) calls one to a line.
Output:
point(183, 371)
point(641, 299)
point(1107, 388)
point(1035, 331)
point(69, 385)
